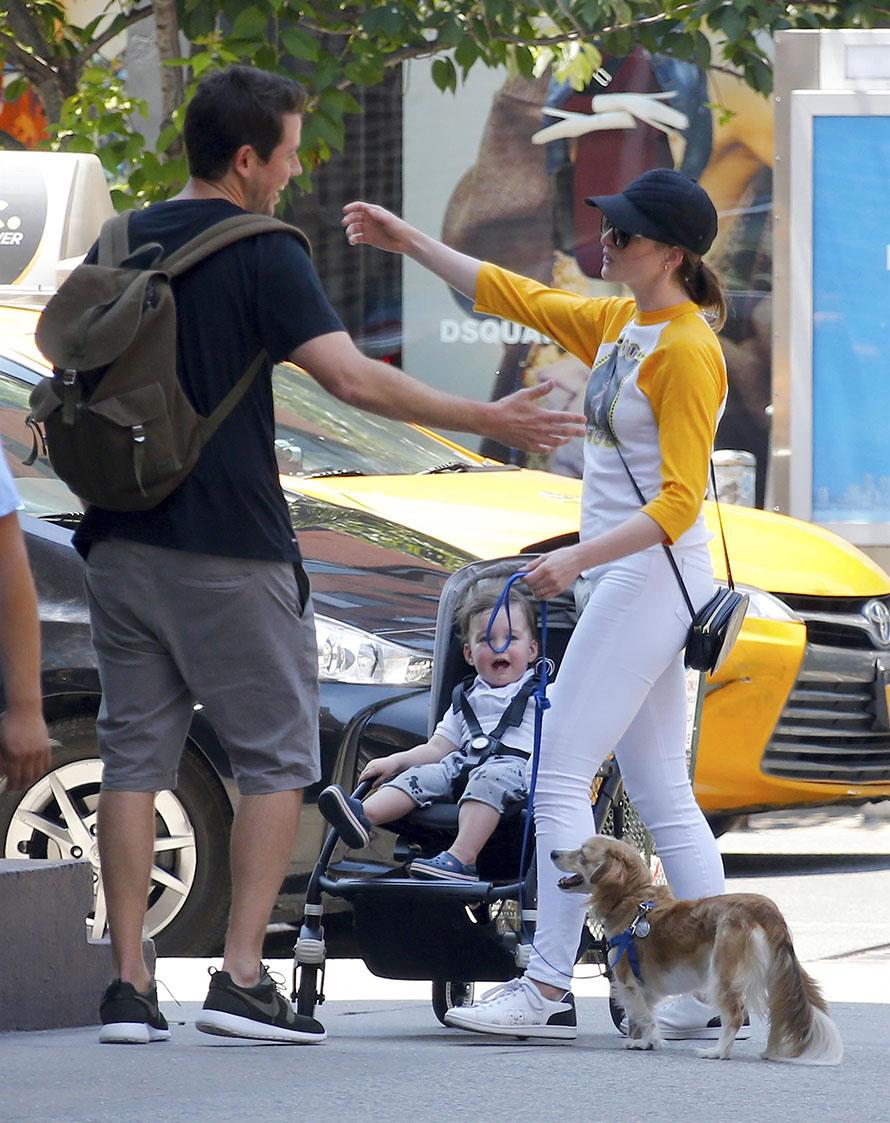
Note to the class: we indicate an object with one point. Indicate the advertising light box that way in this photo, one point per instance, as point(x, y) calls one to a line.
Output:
point(840, 353)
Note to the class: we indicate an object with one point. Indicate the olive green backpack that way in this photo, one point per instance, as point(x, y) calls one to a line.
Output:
point(115, 420)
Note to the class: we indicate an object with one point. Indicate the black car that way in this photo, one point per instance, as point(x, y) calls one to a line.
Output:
point(375, 589)
point(376, 586)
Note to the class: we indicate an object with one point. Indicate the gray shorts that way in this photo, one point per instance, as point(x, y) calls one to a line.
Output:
point(172, 629)
point(498, 781)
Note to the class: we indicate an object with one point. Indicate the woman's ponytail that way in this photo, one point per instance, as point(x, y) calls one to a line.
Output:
point(704, 287)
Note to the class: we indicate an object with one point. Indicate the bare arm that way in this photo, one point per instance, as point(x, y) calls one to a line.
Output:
point(550, 573)
point(336, 363)
point(430, 752)
point(24, 743)
point(367, 224)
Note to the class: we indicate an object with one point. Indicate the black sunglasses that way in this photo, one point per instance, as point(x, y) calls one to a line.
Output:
point(620, 238)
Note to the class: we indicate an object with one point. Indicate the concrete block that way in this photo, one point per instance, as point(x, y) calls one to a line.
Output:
point(51, 975)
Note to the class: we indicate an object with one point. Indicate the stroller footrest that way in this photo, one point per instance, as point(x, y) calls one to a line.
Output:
point(469, 891)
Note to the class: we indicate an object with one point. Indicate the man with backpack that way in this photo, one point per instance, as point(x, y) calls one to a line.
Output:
point(193, 573)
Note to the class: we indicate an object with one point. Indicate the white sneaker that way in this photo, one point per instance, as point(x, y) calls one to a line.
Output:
point(686, 1018)
point(517, 1009)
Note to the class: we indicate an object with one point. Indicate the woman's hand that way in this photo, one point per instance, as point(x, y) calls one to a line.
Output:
point(382, 769)
point(368, 224)
point(549, 574)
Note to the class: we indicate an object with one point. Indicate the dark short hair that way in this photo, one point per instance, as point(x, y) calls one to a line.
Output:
point(482, 597)
point(233, 107)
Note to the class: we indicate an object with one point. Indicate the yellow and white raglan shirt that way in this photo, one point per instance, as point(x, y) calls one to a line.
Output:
point(657, 383)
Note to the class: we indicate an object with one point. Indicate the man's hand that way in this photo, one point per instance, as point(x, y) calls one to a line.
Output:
point(382, 769)
point(370, 225)
point(517, 421)
point(24, 748)
point(549, 574)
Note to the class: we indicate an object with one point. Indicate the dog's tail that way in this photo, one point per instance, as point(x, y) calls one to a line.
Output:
point(800, 1030)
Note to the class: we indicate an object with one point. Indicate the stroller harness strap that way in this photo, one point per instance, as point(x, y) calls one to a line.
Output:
point(489, 744)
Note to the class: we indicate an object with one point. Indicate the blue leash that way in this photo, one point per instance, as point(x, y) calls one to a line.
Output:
point(542, 703)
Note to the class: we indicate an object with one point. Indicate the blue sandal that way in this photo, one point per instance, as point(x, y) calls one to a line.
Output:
point(444, 867)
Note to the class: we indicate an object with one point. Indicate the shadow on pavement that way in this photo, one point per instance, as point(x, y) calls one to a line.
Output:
point(768, 865)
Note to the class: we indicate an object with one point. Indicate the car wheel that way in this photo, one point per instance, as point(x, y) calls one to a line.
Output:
point(55, 818)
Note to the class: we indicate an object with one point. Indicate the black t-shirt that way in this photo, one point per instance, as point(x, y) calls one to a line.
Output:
point(260, 293)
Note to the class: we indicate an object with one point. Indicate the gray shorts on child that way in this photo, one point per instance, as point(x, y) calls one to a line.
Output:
point(498, 781)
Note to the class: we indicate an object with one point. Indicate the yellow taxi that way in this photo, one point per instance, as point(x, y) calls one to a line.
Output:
point(797, 716)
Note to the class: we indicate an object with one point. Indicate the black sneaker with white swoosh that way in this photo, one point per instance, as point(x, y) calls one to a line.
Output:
point(260, 1013)
point(131, 1017)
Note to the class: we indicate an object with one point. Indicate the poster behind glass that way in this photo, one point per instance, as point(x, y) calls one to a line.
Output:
point(851, 309)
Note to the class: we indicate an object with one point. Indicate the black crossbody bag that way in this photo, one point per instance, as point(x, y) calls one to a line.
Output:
point(717, 623)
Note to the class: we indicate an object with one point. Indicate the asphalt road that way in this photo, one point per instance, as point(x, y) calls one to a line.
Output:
point(387, 1058)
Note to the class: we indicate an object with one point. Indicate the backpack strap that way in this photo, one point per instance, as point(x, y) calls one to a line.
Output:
point(114, 240)
point(225, 233)
point(212, 422)
point(208, 242)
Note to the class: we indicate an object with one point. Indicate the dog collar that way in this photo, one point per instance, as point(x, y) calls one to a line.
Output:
point(624, 941)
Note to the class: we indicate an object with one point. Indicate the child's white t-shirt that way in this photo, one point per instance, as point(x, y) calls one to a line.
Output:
point(489, 704)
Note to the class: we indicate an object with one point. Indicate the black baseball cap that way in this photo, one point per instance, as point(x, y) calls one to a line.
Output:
point(663, 205)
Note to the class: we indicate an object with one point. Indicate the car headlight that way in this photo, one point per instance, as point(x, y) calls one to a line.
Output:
point(347, 654)
point(765, 606)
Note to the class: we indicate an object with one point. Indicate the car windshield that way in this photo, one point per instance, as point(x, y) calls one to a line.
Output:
point(315, 435)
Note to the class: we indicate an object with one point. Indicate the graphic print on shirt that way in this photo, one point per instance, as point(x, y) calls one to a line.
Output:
point(607, 377)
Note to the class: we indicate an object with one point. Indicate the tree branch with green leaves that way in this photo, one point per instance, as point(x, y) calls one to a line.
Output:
point(338, 49)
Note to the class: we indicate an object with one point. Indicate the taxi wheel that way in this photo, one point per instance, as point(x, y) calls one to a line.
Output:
point(55, 819)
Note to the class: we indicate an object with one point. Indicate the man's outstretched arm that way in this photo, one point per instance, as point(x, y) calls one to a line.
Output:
point(517, 421)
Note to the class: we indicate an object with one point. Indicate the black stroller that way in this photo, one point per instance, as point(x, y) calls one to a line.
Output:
point(452, 934)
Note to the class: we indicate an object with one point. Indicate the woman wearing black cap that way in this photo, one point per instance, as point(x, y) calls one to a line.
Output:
point(656, 391)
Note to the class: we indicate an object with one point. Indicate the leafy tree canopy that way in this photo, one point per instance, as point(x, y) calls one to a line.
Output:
point(336, 47)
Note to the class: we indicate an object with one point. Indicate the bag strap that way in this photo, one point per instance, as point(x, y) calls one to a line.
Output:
point(729, 579)
point(223, 234)
point(670, 556)
point(204, 245)
point(114, 240)
point(212, 422)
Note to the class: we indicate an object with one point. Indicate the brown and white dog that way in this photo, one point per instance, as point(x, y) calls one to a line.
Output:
point(736, 948)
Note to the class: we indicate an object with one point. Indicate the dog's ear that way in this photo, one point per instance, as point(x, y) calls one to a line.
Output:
point(618, 871)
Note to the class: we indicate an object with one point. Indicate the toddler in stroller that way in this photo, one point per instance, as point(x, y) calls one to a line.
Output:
point(479, 752)
point(452, 931)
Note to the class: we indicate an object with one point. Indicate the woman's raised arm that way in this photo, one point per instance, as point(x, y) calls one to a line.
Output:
point(368, 224)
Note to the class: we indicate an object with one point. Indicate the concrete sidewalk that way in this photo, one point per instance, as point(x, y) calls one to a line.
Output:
point(387, 1058)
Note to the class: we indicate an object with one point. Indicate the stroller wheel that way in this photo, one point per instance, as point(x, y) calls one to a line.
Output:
point(448, 993)
point(307, 990)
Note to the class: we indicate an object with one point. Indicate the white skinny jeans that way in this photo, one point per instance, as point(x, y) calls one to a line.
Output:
point(621, 688)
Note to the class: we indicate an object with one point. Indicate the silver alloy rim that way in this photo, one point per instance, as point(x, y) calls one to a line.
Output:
point(56, 819)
